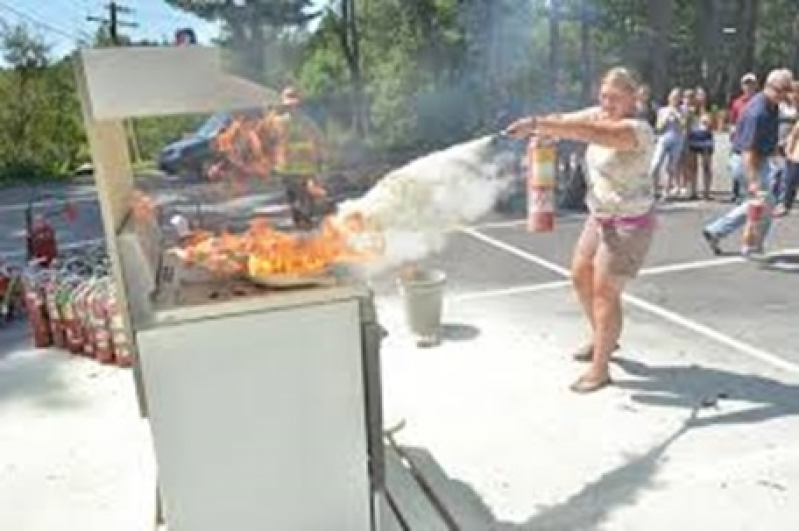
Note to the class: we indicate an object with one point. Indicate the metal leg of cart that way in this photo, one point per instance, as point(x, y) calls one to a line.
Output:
point(159, 509)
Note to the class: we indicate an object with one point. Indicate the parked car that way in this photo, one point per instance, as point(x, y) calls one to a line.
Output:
point(190, 154)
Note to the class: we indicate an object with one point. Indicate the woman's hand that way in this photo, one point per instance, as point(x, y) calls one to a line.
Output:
point(522, 128)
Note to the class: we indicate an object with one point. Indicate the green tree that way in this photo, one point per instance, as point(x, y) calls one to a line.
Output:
point(40, 129)
point(260, 34)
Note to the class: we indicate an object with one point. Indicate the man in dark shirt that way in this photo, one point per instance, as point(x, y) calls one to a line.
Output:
point(755, 142)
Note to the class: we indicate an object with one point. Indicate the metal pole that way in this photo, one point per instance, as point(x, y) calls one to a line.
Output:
point(554, 49)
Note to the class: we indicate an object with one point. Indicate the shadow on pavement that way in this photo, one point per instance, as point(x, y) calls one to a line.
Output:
point(782, 261)
point(701, 391)
point(585, 509)
point(686, 386)
point(14, 336)
point(459, 332)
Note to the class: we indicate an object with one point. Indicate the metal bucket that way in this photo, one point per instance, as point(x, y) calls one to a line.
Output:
point(422, 291)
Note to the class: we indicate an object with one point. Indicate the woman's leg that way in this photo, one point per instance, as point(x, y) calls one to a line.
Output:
point(608, 321)
point(583, 270)
point(618, 258)
point(707, 173)
point(691, 174)
point(687, 167)
point(673, 167)
point(660, 156)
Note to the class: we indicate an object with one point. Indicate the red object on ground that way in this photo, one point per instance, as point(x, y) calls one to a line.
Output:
point(42, 241)
point(101, 326)
point(56, 323)
point(37, 316)
point(756, 212)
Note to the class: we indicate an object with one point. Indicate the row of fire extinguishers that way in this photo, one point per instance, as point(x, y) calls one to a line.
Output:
point(72, 305)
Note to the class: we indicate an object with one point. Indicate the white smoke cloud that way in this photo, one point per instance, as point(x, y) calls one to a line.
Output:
point(414, 207)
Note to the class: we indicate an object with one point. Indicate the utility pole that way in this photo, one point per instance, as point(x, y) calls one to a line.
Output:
point(113, 20)
point(114, 23)
point(554, 12)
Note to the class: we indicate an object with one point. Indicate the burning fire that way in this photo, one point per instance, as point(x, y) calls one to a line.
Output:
point(263, 251)
point(245, 154)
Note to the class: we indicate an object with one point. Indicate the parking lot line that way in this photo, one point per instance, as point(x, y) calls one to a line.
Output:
point(524, 255)
point(503, 292)
point(673, 317)
point(689, 266)
point(715, 335)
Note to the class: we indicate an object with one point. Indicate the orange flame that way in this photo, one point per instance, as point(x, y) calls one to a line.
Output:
point(263, 251)
point(245, 153)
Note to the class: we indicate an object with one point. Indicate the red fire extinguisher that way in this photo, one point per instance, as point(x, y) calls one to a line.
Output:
point(541, 157)
point(42, 246)
point(37, 314)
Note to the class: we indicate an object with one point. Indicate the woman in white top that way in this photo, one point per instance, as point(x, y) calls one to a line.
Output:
point(670, 128)
point(619, 229)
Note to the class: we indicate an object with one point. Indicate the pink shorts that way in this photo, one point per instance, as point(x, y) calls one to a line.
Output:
point(618, 246)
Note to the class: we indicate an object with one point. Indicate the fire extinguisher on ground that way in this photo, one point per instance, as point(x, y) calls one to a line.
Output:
point(35, 305)
point(42, 245)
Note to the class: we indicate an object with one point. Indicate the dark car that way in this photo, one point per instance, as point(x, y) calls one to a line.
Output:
point(190, 154)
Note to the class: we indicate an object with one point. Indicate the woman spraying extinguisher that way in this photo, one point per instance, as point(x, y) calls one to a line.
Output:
point(619, 230)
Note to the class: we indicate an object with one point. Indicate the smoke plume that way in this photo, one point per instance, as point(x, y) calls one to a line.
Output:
point(412, 209)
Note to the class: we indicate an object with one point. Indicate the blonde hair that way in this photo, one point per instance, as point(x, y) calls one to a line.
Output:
point(622, 78)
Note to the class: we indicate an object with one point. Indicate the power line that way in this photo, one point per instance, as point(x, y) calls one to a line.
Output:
point(113, 22)
point(37, 21)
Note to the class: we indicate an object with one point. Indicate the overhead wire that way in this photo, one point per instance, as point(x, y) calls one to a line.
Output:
point(38, 22)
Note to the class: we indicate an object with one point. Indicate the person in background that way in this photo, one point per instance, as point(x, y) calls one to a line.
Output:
point(755, 142)
point(789, 113)
point(670, 127)
point(646, 108)
point(700, 146)
point(749, 86)
point(296, 151)
point(686, 183)
point(791, 176)
point(619, 230)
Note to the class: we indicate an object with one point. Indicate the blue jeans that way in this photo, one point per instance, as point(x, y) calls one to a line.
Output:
point(667, 151)
point(736, 218)
point(791, 180)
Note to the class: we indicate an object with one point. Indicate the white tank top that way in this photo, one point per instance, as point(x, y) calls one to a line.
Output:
point(618, 180)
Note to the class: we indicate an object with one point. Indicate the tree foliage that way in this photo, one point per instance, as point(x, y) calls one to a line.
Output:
point(40, 129)
point(399, 75)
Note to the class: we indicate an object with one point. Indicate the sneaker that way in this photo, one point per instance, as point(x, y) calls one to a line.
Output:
point(752, 253)
point(712, 242)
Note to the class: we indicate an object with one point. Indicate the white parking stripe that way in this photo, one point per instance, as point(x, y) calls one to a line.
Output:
point(503, 292)
point(701, 264)
point(708, 332)
point(524, 255)
point(673, 317)
point(689, 266)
